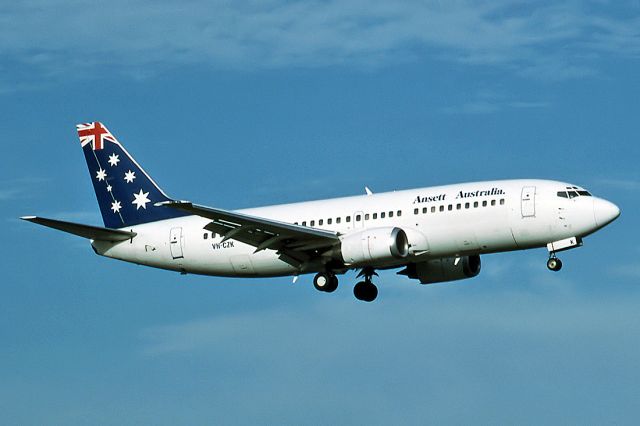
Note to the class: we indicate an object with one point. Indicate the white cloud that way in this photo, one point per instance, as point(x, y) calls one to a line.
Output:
point(487, 101)
point(511, 309)
point(537, 39)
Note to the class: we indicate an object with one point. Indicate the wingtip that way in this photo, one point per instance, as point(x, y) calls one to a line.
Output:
point(28, 217)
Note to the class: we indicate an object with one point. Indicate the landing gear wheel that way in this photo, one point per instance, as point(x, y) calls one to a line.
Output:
point(333, 284)
point(554, 264)
point(324, 281)
point(365, 291)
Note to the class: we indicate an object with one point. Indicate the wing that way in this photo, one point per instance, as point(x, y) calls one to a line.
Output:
point(296, 245)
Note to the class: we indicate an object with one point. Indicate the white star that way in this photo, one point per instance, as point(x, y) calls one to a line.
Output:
point(129, 176)
point(141, 200)
point(101, 174)
point(109, 188)
point(114, 160)
point(115, 206)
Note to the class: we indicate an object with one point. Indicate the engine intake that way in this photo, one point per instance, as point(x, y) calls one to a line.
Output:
point(443, 270)
point(374, 245)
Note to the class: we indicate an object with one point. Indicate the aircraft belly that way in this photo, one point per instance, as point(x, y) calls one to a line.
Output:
point(235, 259)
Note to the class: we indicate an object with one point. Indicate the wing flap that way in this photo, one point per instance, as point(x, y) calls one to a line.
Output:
point(85, 231)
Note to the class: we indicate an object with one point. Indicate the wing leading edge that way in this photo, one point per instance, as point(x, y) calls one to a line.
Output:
point(295, 244)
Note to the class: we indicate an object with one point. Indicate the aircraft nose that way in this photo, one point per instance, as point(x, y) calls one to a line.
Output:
point(604, 212)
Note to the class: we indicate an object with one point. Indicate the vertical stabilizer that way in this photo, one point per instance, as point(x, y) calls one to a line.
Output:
point(126, 193)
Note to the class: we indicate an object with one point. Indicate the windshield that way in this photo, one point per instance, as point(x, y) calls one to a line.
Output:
point(573, 192)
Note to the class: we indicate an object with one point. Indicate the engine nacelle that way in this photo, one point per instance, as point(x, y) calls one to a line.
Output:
point(374, 245)
point(442, 270)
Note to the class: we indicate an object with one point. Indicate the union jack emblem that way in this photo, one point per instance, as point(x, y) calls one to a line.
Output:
point(95, 134)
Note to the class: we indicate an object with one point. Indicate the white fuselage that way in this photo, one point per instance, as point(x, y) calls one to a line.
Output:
point(443, 221)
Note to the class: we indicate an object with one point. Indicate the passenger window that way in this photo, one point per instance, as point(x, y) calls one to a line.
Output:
point(358, 218)
point(484, 203)
point(493, 202)
point(338, 219)
point(348, 219)
point(390, 214)
point(382, 215)
point(475, 204)
point(467, 205)
point(433, 209)
point(295, 223)
point(415, 211)
point(304, 223)
point(312, 223)
point(375, 215)
point(206, 235)
point(399, 213)
point(366, 216)
point(458, 206)
point(441, 208)
point(320, 222)
point(424, 210)
point(502, 201)
point(329, 221)
point(450, 207)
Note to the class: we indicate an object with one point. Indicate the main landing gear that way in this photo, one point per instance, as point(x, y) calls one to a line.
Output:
point(366, 290)
point(325, 281)
point(554, 264)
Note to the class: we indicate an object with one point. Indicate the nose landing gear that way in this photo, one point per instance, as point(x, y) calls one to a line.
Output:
point(554, 264)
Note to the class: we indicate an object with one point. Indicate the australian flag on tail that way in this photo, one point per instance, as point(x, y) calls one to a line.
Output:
point(126, 193)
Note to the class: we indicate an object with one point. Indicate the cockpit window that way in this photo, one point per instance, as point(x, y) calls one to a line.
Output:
point(573, 192)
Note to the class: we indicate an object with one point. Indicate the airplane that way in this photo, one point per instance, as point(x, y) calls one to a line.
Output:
point(434, 234)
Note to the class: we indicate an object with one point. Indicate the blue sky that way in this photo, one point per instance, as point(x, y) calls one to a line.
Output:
point(237, 104)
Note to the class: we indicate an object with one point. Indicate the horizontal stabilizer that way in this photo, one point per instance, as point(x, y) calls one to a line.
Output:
point(85, 231)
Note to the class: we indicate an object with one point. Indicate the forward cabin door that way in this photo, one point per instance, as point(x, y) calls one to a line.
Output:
point(528, 202)
point(175, 243)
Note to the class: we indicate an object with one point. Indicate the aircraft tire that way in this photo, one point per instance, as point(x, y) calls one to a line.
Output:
point(322, 282)
point(365, 291)
point(332, 285)
point(554, 264)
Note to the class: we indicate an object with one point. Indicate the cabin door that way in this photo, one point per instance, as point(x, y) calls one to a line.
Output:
point(528, 202)
point(175, 243)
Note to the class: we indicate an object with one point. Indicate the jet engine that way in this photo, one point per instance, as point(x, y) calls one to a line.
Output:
point(442, 270)
point(374, 245)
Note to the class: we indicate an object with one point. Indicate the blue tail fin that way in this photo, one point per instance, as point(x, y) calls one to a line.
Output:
point(126, 193)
